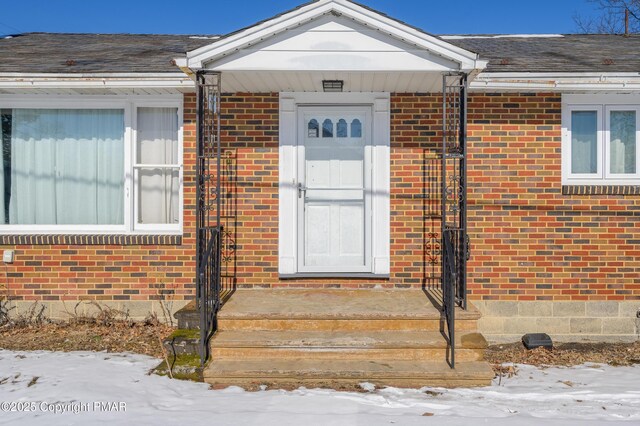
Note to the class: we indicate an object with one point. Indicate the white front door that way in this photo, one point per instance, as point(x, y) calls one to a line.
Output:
point(334, 189)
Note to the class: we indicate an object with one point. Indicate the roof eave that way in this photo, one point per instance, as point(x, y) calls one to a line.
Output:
point(175, 80)
point(557, 82)
point(207, 55)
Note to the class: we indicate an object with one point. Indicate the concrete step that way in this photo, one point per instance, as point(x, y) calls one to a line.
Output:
point(352, 345)
point(338, 310)
point(327, 324)
point(188, 317)
point(345, 374)
point(335, 304)
point(340, 338)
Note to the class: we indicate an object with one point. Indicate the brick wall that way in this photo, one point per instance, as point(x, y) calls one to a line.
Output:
point(250, 139)
point(530, 242)
point(136, 270)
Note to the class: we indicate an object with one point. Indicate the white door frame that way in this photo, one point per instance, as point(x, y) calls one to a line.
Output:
point(288, 173)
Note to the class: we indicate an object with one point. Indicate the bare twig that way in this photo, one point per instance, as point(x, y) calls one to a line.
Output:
point(166, 358)
point(613, 18)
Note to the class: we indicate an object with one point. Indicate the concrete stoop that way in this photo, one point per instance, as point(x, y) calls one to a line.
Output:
point(188, 317)
point(341, 338)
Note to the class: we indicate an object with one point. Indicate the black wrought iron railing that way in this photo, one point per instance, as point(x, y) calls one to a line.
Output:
point(453, 286)
point(450, 278)
point(455, 246)
point(208, 206)
point(209, 287)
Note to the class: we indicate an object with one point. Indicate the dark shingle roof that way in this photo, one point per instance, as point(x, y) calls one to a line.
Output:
point(569, 53)
point(130, 53)
point(95, 53)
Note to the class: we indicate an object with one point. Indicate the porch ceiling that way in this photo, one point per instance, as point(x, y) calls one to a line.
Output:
point(383, 81)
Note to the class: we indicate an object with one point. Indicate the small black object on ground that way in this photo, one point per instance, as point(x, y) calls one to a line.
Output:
point(537, 340)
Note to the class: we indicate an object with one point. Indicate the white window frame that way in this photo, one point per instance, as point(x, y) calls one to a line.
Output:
point(607, 143)
point(603, 104)
point(156, 228)
point(129, 105)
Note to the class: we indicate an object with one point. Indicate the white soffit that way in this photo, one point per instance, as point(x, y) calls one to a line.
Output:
point(332, 35)
point(396, 82)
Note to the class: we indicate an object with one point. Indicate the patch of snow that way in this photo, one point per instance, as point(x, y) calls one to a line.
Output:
point(462, 37)
point(369, 387)
point(588, 394)
point(205, 37)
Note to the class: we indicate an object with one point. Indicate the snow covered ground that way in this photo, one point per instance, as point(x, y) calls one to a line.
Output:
point(115, 388)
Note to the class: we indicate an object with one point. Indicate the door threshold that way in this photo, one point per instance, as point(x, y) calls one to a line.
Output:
point(334, 275)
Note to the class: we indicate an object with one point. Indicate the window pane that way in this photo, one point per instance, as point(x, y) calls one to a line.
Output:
point(584, 142)
point(623, 142)
point(5, 122)
point(342, 128)
point(356, 128)
point(157, 136)
point(157, 144)
point(62, 167)
point(313, 128)
point(158, 197)
point(327, 128)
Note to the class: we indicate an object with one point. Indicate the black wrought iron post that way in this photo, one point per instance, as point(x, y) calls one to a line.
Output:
point(455, 245)
point(208, 225)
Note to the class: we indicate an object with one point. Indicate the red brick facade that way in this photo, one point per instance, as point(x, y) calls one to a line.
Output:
point(113, 272)
point(529, 242)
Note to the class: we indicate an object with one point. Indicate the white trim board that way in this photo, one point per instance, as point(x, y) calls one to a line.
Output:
point(170, 82)
point(288, 172)
point(119, 84)
point(557, 82)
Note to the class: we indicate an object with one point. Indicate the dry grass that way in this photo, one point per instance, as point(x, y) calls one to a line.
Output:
point(565, 354)
point(106, 329)
point(140, 338)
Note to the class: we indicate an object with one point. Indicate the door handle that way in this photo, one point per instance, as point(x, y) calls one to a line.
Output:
point(301, 189)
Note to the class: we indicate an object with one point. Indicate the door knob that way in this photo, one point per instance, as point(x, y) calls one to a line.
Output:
point(301, 189)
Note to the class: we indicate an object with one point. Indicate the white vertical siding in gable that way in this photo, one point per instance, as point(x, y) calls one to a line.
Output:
point(333, 43)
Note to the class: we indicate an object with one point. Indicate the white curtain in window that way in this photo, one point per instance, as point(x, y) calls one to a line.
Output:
point(157, 144)
point(584, 142)
point(623, 142)
point(67, 167)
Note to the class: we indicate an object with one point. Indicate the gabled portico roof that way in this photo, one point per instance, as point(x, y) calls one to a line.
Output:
point(329, 39)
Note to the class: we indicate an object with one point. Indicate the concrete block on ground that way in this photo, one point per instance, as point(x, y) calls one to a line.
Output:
point(499, 308)
point(491, 324)
point(586, 325)
point(603, 308)
point(569, 309)
point(535, 309)
point(629, 309)
point(620, 325)
point(520, 325)
point(553, 325)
